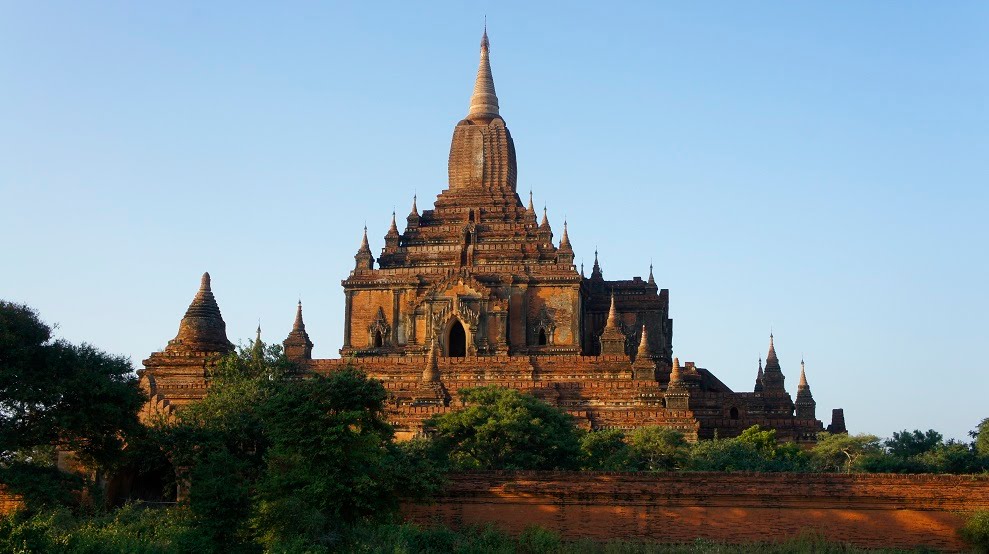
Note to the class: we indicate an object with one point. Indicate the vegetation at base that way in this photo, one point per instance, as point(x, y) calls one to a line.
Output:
point(54, 392)
point(976, 530)
point(277, 458)
point(504, 429)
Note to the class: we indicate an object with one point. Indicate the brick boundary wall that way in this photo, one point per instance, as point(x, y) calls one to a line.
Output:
point(8, 502)
point(872, 511)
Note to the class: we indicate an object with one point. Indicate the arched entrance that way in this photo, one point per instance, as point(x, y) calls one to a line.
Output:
point(379, 341)
point(457, 341)
point(542, 337)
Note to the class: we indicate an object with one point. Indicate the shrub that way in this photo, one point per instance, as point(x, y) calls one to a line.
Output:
point(976, 531)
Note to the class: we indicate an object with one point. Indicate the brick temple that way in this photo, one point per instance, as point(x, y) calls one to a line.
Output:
point(476, 292)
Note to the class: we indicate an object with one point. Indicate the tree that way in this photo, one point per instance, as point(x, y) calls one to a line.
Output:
point(841, 451)
point(907, 444)
point(981, 436)
point(605, 450)
point(277, 458)
point(505, 429)
point(55, 393)
point(655, 448)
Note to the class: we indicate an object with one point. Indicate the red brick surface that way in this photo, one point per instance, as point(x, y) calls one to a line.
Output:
point(865, 510)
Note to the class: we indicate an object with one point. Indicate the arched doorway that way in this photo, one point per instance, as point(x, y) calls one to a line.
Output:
point(379, 341)
point(733, 413)
point(542, 337)
point(457, 342)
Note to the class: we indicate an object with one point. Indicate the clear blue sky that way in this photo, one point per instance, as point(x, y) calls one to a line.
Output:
point(820, 170)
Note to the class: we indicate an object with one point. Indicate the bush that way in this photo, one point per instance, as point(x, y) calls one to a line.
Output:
point(604, 450)
point(976, 531)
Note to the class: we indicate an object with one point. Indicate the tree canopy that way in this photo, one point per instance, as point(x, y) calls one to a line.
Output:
point(54, 393)
point(505, 429)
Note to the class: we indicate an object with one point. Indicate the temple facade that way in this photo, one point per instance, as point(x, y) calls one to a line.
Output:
point(477, 291)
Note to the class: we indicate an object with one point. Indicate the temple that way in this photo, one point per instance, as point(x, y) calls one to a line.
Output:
point(476, 292)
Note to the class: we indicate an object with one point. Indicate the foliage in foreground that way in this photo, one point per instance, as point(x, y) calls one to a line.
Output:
point(54, 392)
point(278, 458)
point(976, 531)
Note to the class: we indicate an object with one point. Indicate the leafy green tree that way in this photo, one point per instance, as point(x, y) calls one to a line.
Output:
point(907, 444)
point(981, 436)
point(754, 449)
point(55, 393)
point(841, 451)
point(655, 448)
point(505, 429)
point(605, 450)
point(276, 459)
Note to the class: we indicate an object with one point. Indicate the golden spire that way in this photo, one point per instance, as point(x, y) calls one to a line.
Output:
point(803, 377)
point(612, 313)
point(644, 352)
point(675, 374)
point(484, 101)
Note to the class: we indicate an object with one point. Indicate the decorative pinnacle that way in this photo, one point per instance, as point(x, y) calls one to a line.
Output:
point(415, 209)
point(565, 240)
point(484, 101)
point(545, 221)
point(803, 377)
point(531, 208)
point(652, 280)
point(204, 282)
point(643, 346)
point(675, 374)
point(612, 313)
point(299, 325)
point(364, 244)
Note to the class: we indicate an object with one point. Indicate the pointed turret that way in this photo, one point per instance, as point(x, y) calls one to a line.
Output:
point(805, 404)
point(531, 209)
point(612, 338)
point(202, 328)
point(773, 377)
point(412, 221)
point(596, 268)
point(432, 371)
point(652, 280)
point(363, 257)
point(484, 101)
point(257, 348)
point(758, 377)
point(545, 233)
point(644, 366)
point(565, 253)
point(675, 375)
point(392, 237)
point(297, 345)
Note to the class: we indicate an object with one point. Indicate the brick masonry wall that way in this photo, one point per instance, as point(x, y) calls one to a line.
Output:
point(8, 502)
point(901, 511)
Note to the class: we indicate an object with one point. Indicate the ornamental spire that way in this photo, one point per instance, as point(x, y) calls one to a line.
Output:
point(431, 372)
point(565, 241)
point(299, 325)
point(612, 313)
point(297, 345)
point(652, 280)
point(484, 101)
point(202, 328)
point(644, 353)
point(675, 376)
point(545, 222)
point(758, 377)
point(803, 377)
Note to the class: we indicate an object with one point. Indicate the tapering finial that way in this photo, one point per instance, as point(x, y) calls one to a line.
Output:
point(675, 373)
point(531, 208)
point(204, 282)
point(545, 221)
point(803, 376)
point(484, 100)
point(652, 280)
point(415, 209)
point(612, 312)
point(581, 269)
point(644, 352)
point(299, 325)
